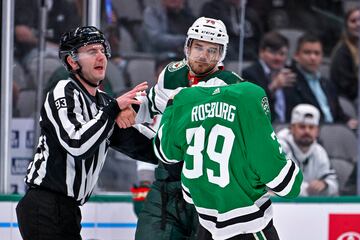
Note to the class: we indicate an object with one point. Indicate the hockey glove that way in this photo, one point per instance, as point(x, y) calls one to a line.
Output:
point(139, 195)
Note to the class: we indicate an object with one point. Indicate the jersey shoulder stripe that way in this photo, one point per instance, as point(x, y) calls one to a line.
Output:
point(228, 77)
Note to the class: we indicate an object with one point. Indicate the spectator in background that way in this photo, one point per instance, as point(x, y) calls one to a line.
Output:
point(270, 73)
point(317, 16)
point(117, 79)
point(311, 87)
point(19, 84)
point(345, 57)
point(15, 98)
point(161, 61)
point(165, 27)
point(299, 143)
point(61, 17)
point(26, 23)
point(229, 12)
point(117, 75)
point(263, 8)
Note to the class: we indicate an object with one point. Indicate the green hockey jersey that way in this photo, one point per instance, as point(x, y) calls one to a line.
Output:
point(172, 79)
point(231, 156)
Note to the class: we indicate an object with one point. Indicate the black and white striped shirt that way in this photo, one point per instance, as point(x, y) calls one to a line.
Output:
point(76, 131)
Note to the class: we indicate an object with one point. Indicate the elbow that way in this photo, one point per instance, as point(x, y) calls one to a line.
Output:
point(296, 187)
point(292, 189)
point(293, 193)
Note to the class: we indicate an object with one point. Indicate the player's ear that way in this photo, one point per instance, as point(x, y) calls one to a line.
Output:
point(71, 61)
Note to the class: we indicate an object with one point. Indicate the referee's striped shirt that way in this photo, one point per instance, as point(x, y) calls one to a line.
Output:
point(76, 131)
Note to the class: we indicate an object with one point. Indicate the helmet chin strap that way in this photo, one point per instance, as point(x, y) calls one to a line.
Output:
point(80, 74)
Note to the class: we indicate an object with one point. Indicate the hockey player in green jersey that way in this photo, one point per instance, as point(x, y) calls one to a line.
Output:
point(166, 216)
point(231, 158)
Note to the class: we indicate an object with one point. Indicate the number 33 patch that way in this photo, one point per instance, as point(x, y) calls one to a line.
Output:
point(60, 103)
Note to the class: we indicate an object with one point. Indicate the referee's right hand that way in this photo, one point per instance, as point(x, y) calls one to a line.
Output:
point(128, 98)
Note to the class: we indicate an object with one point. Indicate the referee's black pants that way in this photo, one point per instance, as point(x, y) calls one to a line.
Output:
point(45, 215)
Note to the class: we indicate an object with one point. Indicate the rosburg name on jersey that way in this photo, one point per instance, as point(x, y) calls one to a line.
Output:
point(213, 109)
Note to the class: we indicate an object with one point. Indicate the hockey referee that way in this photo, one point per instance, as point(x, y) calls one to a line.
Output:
point(77, 127)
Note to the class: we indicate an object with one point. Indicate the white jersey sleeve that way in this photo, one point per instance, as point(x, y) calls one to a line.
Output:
point(155, 102)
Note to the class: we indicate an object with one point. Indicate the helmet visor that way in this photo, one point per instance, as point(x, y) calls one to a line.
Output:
point(91, 51)
point(202, 52)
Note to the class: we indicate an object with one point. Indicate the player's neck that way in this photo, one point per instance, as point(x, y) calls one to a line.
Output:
point(89, 88)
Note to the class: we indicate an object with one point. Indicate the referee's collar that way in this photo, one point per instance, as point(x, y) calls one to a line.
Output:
point(80, 85)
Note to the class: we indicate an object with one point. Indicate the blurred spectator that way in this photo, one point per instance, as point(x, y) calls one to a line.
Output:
point(58, 74)
point(130, 15)
point(20, 77)
point(110, 26)
point(299, 143)
point(117, 75)
point(165, 27)
point(317, 16)
point(62, 16)
point(161, 61)
point(270, 72)
point(15, 97)
point(311, 87)
point(117, 79)
point(19, 84)
point(344, 68)
point(272, 13)
point(229, 12)
point(26, 24)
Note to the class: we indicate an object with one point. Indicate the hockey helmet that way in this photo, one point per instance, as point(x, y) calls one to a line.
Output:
point(71, 41)
point(209, 30)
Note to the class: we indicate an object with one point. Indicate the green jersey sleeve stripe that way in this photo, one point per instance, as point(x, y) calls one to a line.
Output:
point(260, 236)
point(280, 177)
point(154, 95)
point(187, 198)
point(289, 186)
point(286, 180)
point(186, 194)
point(159, 151)
point(151, 101)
